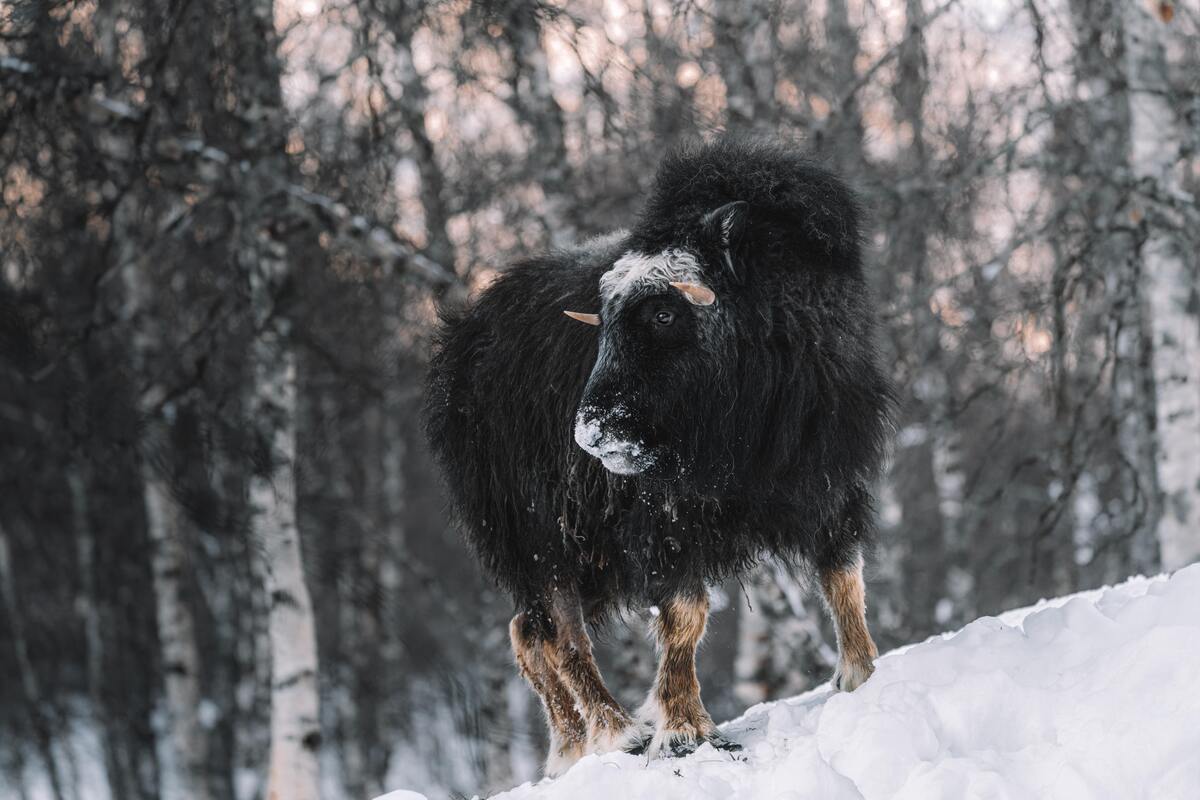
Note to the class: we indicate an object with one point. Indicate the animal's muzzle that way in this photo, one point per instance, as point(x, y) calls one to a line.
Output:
point(599, 433)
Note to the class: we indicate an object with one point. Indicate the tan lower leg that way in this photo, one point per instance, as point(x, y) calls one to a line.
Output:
point(674, 705)
point(568, 733)
point(570, 654)
point(846, 595)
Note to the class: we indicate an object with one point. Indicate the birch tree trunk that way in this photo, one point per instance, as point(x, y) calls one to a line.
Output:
point(382, 678)
point(841, 133)
point(1102, 101)
point(184, 751)
point(43, 735)
point(781, 650)
point(295, 726)
point(1170, 284)
point(495, 722)
point(535, 106)
point(352, 649)
point(88, 607)
point(932, 531)
point(633, 660)
point(412, 107)
point(271, 403)
point(744, 38)
point(185, 759)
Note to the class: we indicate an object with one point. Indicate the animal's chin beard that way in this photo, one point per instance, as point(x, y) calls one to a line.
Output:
point(621, 465)
point(657, 467)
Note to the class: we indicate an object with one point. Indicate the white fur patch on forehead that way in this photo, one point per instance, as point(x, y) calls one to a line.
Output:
point(634, 271)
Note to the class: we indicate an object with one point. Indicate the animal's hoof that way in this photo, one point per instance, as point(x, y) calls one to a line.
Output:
point(640, 744)
point(849, 676)
point(676, 744)
point(681, 745)
point(722, 742)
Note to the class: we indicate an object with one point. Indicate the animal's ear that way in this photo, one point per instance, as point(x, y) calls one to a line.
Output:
point(723, 227)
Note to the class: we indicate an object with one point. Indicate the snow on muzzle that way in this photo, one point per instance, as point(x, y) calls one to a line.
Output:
point(598, 431)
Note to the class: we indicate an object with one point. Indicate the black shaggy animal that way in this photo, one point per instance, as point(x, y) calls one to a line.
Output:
point(722, 404)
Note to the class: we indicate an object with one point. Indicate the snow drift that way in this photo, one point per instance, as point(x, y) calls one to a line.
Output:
point(1088, 696)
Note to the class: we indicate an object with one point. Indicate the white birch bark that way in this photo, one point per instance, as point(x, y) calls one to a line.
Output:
point(1169, 282)
point(295, 724)
point(754, 664)
point(1101, 94)
point(185, 757)
point(781, 650)
point(293, 770)
point(633, 661)
point(524, 755)
point(948, 479)
point(183, 750)
point(1132, 408)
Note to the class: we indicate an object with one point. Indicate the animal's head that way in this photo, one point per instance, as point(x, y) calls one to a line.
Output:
point(664, 340)
point(701, 320)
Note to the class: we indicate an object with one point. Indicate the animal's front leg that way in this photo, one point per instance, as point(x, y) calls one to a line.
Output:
point(609, 727)
point(846, 595)
point(568, 732)
point(674, 710)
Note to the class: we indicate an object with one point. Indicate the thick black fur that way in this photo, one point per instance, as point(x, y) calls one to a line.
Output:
point(777, 427)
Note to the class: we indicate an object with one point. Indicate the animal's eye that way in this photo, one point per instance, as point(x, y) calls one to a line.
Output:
point(664, 317)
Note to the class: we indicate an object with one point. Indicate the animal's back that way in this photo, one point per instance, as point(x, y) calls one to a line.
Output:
point(505, 379)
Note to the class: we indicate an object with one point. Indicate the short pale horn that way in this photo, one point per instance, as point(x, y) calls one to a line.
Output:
point(590, 319)
point(696, 293)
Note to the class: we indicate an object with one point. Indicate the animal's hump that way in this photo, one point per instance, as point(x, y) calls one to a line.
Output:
point(786, 188)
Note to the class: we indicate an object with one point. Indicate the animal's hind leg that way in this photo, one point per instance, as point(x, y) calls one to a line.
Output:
point(846, 595)
point(568, 732)
point(674, 708)
point(609, 727)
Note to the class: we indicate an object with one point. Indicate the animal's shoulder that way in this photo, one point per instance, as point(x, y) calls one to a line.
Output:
point(515, 333)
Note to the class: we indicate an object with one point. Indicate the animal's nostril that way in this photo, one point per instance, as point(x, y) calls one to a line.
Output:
point(588, 432)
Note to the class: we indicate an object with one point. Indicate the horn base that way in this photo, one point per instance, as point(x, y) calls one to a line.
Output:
point(696, 293)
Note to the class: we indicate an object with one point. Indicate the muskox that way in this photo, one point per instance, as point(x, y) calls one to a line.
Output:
point(712, 398)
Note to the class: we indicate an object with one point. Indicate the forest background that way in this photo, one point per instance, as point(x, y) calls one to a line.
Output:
point(225, 230)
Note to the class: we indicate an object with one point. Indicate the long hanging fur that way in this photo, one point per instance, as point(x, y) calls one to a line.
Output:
point(781, 418)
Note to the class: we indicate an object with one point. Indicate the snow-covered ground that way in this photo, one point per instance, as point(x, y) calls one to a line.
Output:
point(1084, 697)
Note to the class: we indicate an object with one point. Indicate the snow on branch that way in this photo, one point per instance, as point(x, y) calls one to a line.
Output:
point(375, 240)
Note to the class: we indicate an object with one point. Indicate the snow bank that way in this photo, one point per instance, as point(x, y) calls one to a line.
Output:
point(1091, 696)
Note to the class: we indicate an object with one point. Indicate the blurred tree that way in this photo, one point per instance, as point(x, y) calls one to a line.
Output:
point(1161, 208)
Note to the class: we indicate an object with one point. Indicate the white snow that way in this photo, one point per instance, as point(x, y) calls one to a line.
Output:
point(1086, 697)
